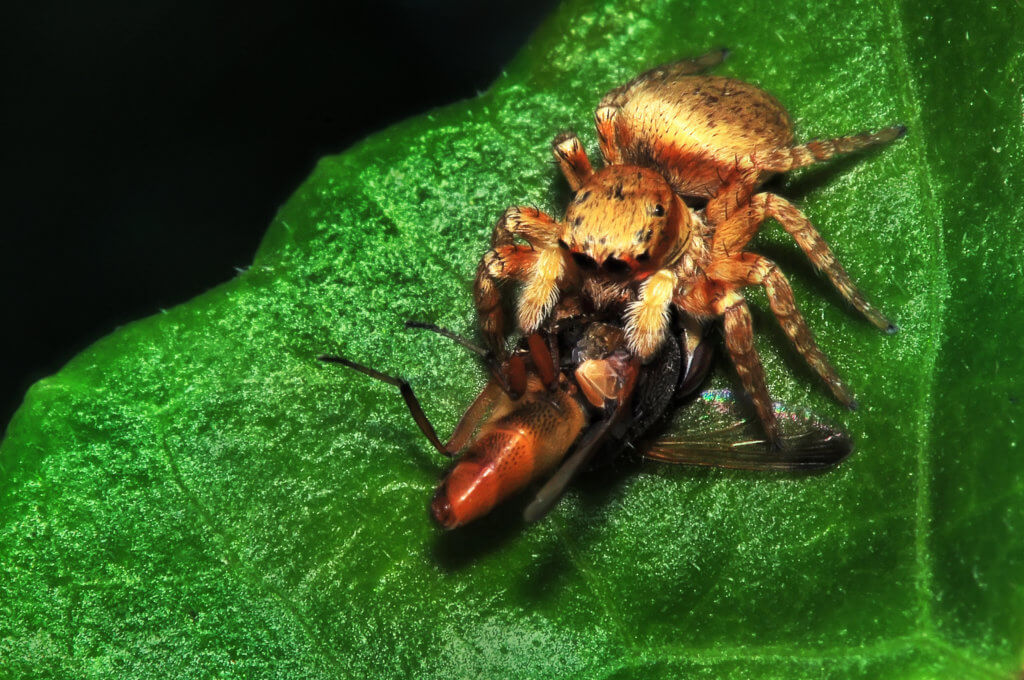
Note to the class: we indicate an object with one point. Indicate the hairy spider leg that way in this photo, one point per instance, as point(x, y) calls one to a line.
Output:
point(802, 155)
point(503, 263)
point(751, 269)
point(607, 139)
point(571, 158)
point(542, 289)
point(739, 341)
point(647, 318)
point(753, 169)
point(733, 235)
point(530, 224)
point(509, 261)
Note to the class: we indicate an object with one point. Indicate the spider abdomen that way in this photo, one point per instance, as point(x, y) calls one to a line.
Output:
point(698, 129)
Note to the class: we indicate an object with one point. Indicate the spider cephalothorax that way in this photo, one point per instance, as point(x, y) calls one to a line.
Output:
point(624, 235)
point(630, 242)
point(625, 221)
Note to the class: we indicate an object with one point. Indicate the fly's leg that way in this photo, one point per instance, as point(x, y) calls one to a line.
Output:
point(572, 159)
point(455, 337)
point(733, 235)
point(543, 361)
point(697, 352)
point(751, 269)
point(473, 416)
point(739, 341)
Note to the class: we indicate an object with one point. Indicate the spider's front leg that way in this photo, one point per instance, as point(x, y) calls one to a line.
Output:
point(647, 318)
point(542, 289)
point(502, 263)
point(538, 229)
point(571, 158)
point(529, 263)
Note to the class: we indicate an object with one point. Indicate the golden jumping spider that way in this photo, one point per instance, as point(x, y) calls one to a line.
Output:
point(630, 242)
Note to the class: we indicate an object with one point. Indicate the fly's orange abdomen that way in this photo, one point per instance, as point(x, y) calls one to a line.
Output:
point(497, 465)
point(512, 451)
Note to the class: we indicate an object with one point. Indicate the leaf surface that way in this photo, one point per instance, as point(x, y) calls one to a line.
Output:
point(195, 496)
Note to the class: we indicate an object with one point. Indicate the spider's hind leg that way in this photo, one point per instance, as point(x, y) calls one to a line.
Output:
point(802, 155)
point(821, 256)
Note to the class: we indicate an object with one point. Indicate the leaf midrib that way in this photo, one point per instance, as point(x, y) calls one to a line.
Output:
point(939, 296)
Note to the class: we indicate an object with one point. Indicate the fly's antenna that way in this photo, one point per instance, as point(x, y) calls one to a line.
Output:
point(514, 382)
point(411, 402)
point(451, 335)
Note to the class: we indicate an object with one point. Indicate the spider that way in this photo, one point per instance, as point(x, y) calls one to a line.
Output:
point(630, 242)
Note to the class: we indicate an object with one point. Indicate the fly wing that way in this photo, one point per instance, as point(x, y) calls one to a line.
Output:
point(714, 431)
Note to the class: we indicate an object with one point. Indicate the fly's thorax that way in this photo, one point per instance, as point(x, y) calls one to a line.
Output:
point(598, 342)
point(625, 221)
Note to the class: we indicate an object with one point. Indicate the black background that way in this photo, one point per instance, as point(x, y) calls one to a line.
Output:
point(149, 144)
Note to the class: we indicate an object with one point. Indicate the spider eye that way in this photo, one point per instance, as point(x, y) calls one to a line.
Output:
point(658, 210)
point(584, 261)
point(616, 266)
point(643, 257)
point(562, 245)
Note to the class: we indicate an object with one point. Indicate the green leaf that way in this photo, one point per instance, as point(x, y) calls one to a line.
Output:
point(194, 496)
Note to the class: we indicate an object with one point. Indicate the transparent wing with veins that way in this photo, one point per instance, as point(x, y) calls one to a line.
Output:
point(714, 431)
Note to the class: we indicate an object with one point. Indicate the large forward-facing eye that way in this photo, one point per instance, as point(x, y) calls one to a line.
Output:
point(584, 261)
point(614, 265)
